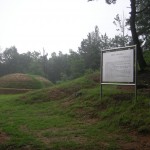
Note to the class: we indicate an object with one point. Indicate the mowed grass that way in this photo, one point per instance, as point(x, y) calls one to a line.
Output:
point(71, 116)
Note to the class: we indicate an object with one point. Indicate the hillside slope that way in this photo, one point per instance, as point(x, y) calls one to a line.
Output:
point(72, 116)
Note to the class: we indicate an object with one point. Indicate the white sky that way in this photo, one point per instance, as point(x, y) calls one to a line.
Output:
point(55, 25)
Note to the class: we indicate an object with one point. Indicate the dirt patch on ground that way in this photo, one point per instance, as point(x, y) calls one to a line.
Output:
point(123, 97)
point(13, 91)
point(3, 137)
point(138, 142)
point(56, 94)
point(54, 135)
point(60, 93)
point(126, 88)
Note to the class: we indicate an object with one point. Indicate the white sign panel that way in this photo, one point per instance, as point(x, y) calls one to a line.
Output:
point(118, 66)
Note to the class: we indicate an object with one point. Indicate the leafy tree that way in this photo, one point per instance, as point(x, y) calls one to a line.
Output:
point(44, 63)
point(35, 66)
point(90, 50)
point(24, 62)
point(10, 60)
point(134, 8)
point(77, 66)
point(10, 53)
point(122, 39)
point(119, 41)
point(121, 27)
point(91, 47)
point(136, 41)
point(58, 66)
point(105, 42)
point(143, 21)
point(1, 64)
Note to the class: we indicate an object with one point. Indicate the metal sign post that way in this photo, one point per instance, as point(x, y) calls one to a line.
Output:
point(119, 67)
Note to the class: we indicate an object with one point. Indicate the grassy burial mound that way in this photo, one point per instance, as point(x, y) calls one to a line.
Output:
point(22, 82)
point(71, 116)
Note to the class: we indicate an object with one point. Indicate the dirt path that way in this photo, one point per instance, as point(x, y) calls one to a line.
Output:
point(3, 137)
point(137, 142)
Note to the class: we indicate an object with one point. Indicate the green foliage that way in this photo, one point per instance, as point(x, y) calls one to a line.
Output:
point(142, 21)
point(90, 50)
point(147, 57)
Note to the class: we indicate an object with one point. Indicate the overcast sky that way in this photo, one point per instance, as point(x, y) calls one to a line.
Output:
point(55, 25)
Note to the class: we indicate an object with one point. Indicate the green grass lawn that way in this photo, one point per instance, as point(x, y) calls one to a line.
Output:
point(71, 116)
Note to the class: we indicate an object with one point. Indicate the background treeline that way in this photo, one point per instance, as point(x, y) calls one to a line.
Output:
point(61, 66)
point(68, 66)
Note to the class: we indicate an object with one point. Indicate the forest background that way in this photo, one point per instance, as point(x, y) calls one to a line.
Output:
point(61, 66)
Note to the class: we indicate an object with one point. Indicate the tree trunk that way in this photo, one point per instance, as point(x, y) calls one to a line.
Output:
point(140, 58)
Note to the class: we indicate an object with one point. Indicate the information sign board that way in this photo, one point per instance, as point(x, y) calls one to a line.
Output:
point(118, 66)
